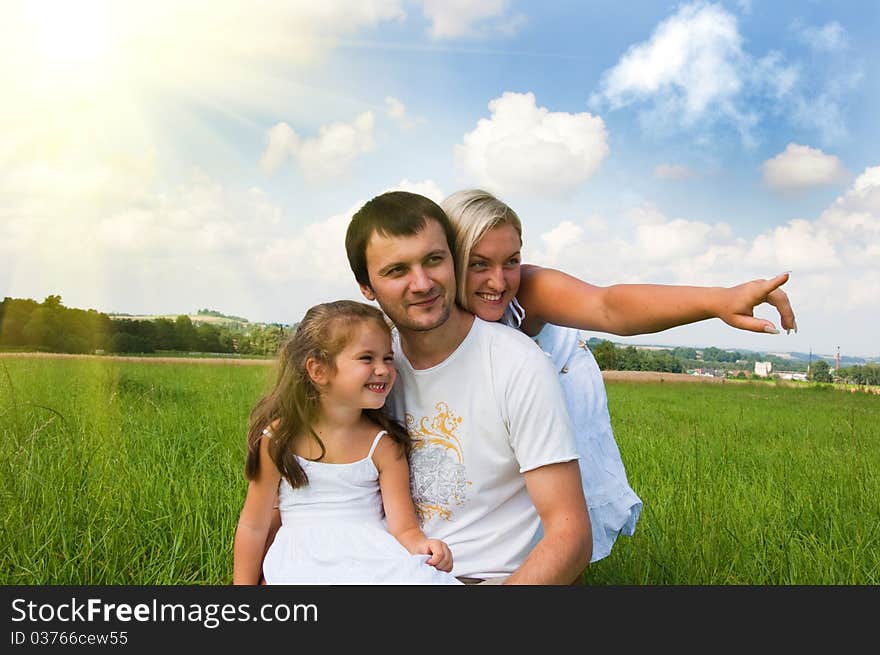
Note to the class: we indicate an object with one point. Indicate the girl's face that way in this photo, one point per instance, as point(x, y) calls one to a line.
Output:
point(364, 369)
point(492, 277)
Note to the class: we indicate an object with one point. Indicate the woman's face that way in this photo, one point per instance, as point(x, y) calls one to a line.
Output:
point(493, 272)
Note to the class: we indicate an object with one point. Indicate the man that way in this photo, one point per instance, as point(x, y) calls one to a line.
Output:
point(494, 470)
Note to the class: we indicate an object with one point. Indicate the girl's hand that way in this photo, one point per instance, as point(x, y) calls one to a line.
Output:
point(441, 556)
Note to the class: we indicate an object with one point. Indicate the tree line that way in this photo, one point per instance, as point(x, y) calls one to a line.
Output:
point(682, 359)
point(613, 358)
point(49, 326)
point(867, 374)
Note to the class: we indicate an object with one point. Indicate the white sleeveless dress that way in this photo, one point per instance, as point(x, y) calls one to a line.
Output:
point(614, 507)
point(333, 532)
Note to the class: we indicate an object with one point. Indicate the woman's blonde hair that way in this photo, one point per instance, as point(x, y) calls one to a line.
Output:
point(473, 212)
point(292, 407)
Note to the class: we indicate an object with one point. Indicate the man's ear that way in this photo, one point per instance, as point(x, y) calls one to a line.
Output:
point(367, 290)
point(317, 371)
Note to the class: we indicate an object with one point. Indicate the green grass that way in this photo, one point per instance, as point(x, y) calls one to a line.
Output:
point(122, 473)
point(747, 484)
point(117, 472)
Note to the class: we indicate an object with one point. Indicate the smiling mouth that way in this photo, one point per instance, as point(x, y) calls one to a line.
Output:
point(377, 388)
point(491, 297)
point(425, 303)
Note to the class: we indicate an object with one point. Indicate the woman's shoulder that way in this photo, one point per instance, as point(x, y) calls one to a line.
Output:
point(535, 280)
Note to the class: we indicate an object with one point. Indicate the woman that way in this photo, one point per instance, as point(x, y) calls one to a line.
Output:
point(552, 307)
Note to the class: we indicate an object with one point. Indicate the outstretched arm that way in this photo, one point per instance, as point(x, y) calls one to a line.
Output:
point(551, 296)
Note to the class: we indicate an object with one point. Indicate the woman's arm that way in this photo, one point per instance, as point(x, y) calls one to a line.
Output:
point(551, 296)
point(254, 521)
point(400, 513)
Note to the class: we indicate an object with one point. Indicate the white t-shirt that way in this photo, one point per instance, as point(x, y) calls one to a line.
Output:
point(489, 412)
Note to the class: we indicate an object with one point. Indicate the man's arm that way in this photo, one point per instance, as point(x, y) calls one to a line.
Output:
point(542, 438)
point(565, 550)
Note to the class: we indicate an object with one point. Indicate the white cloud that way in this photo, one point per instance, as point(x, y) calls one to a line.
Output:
point(828, 38)
point(832, 258)
point(397, 110)
point(395, 107)
point(281, 142)
point(525, 148)
point(799, 167)
point(645, 214)
point(677, 238)
point(336, 146)
point(674, 172)
point(693, 71)
point(692, 60)
point(327, 155)
point(427, 188)
point(772, 77)
point(855, 216)
point(453, 19)
point(316, 254)
point(866, 187)
point(800, 245)
point(822, 113)
point(561, 237)
point(863, 293)
point(201, 244)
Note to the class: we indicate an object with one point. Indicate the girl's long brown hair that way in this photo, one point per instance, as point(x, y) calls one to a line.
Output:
point(292, 408)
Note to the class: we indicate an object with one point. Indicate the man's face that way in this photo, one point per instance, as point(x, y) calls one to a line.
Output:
point(412, 277)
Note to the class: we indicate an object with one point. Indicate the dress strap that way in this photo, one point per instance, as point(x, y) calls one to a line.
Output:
point(375, 443)
point(513, 314)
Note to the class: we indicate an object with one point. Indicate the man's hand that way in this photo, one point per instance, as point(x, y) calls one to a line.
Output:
point(739, 302)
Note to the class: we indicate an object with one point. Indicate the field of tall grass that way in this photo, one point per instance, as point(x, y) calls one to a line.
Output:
point(120, 472)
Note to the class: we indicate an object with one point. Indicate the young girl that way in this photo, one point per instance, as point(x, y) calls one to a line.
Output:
point(552, 307)
point(321, 445)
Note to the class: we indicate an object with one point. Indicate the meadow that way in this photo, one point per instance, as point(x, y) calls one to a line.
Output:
point(124, 472)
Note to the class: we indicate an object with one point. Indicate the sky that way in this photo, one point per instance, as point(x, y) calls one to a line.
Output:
point(162, 157)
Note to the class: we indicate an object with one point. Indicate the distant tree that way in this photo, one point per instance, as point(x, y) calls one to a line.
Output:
point(187, 338)
point(125, 342)
point(713, 354)
point(16, 314)
point(606, 355)
point(209, 339)
point(820, 371)
point(628, 359)
point(867, 374)
point(166, 334)
point(52, 302)
point(42, 330)
point(684, 353)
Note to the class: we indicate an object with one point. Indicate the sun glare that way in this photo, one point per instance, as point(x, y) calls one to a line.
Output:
point(72, 41)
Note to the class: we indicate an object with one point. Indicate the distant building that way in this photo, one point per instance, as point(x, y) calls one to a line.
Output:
point(762, 369)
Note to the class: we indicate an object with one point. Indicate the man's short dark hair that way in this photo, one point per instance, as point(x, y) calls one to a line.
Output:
point(395, 213)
